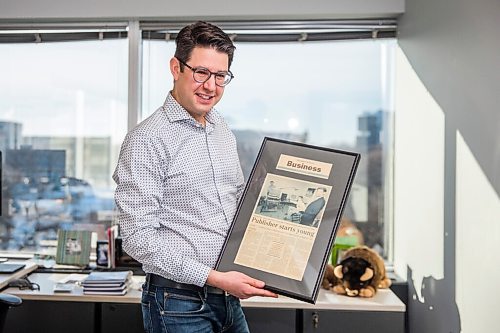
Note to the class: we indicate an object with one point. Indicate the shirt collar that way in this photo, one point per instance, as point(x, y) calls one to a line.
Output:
point(175, 112)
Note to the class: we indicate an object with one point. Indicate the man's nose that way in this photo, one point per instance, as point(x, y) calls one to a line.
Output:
point(210, 83)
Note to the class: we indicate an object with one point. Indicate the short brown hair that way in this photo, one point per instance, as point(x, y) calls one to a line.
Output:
point(205, 35)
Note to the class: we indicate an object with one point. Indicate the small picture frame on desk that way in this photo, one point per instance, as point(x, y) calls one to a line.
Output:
point(102, 253)
point(73, 247)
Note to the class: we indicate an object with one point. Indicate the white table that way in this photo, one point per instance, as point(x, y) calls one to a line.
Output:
point(264, 314)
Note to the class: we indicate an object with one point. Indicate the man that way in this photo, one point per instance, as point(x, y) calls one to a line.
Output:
point(178, 184)
point(271, 189)
point(313, 208)
point(271, 199)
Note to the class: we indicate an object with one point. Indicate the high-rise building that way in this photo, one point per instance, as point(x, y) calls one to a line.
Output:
point(10, 135)
point(87, 158)
point(369, 127)
point(39, 165)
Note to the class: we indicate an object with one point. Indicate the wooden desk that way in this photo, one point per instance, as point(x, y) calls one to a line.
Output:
point(46, 292)
point(6, 278)
point(382, 313)
point(384, 300)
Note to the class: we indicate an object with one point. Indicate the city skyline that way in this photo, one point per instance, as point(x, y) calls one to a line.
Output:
point(73, 93)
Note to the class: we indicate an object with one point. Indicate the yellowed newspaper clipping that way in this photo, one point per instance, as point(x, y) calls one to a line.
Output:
point(282, 229)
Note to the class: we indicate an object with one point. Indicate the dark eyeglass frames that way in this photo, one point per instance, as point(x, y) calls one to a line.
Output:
point(202, 75)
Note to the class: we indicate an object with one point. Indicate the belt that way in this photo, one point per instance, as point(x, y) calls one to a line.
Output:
point(160, 281)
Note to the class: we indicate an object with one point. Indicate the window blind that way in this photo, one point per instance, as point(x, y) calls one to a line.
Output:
point(283, 31)
point(61, 32)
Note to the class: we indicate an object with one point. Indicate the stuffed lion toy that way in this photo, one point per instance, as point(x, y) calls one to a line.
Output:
point(360, 273)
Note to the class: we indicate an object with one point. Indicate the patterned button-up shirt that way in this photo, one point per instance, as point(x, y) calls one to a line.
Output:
point(178, 185)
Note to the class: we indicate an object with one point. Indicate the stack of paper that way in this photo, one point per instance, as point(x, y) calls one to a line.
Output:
point(107, 283)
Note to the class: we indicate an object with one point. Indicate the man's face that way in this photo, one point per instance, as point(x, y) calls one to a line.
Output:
point(198, 98)
point(320, 193)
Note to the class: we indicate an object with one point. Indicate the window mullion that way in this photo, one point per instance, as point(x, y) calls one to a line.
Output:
point(134, 73)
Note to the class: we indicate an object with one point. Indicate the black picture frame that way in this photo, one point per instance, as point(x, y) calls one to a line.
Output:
point(273, 237)
point(102, 253)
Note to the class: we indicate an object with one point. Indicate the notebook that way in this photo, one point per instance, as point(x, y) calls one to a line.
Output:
point(7, 268)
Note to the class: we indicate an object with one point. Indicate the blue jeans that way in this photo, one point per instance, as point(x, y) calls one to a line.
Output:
point(169, 310)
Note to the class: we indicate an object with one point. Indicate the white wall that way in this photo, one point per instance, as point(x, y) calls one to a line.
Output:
point(419, 173)
point(478, 236)
point(447, 165)
point(222, 9)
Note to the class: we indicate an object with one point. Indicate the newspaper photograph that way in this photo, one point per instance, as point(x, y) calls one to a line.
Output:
point(283, 226)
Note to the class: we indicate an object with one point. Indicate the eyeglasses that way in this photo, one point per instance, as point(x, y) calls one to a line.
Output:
point(202, 75)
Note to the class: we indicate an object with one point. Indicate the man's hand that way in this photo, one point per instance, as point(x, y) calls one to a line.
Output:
point(238, 284)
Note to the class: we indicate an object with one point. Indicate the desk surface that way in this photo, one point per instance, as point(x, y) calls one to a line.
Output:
point(48, 280)
point(384, 300)
point(6, 278)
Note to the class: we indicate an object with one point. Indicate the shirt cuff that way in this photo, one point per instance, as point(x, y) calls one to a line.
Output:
point(199, 273)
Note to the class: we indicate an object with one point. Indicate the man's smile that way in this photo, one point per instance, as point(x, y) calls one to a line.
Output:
point(205, 97)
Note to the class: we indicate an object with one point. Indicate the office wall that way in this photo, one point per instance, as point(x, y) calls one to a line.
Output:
point(447, 166)
point(222, 9)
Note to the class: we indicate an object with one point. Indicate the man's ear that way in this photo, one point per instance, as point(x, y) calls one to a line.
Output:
point(175, 68)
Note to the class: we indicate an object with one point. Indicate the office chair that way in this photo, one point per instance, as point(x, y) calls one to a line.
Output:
point(7, 301)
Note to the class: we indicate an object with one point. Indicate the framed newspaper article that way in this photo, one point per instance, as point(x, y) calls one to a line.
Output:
point(286, 221)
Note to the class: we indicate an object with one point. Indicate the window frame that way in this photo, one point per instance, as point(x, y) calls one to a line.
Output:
point(241, 31)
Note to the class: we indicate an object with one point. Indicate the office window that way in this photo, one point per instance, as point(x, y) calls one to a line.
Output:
point(63, 116)
point(330, 93)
